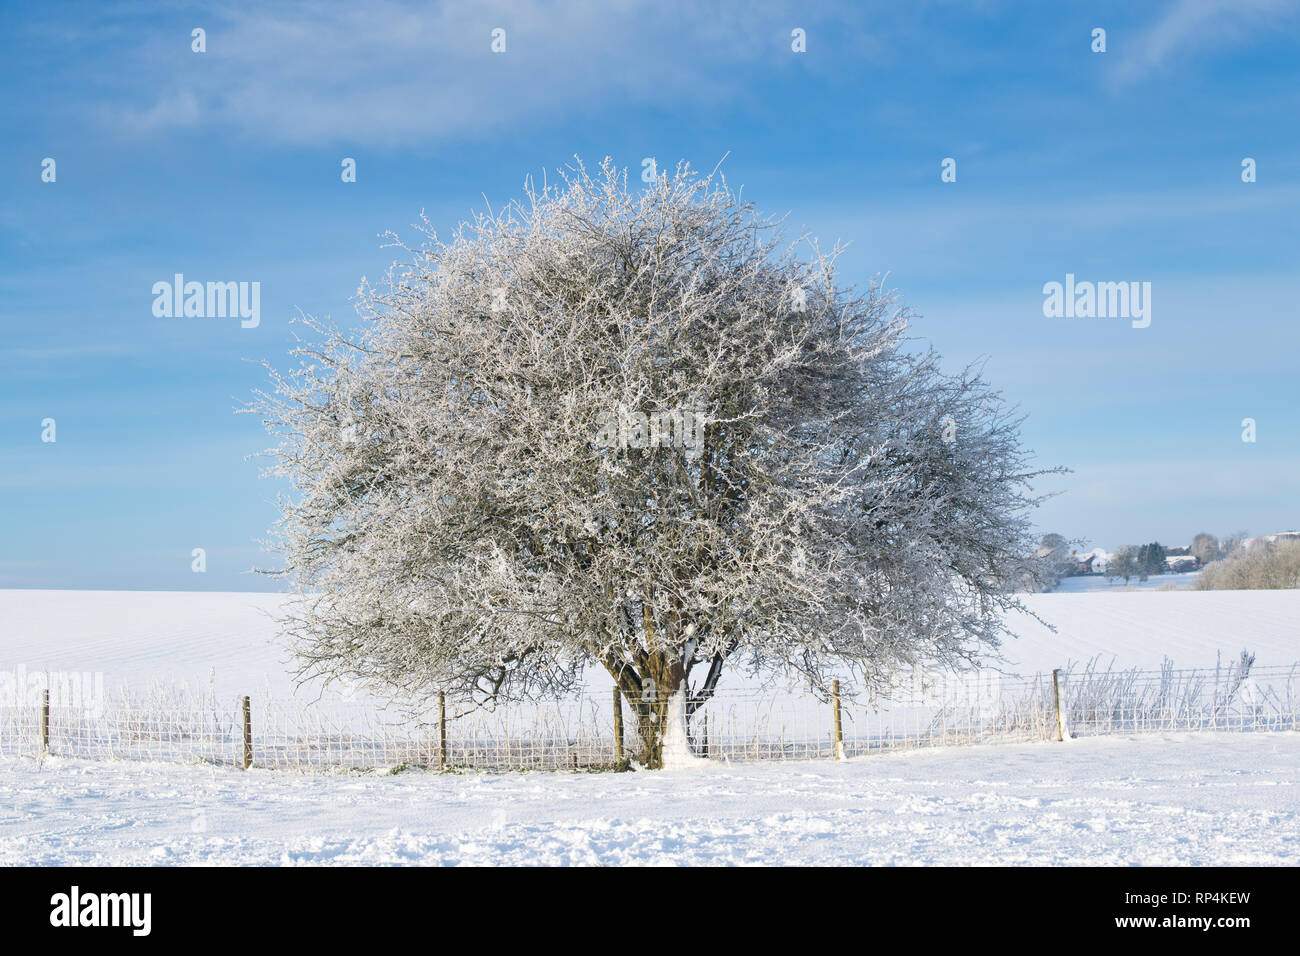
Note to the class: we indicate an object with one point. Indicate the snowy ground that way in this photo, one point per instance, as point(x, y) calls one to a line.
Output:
point(1172, 800)
point(230, 640)
point(1204, 799)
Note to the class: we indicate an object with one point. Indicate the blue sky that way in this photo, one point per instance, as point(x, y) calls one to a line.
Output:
point(224, 166)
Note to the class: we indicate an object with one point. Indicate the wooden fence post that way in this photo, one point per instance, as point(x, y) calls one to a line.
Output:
point(45, 722)
point(839, 727)
point(442, 730)
point(1056, 701)
point(246, 707)
point(618, 726)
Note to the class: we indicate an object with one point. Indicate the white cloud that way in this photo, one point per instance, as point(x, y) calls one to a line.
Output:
point(172, 110)
point(1190, 27)
point(393, 72)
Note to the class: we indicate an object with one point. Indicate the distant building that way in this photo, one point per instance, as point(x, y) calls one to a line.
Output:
point(1272, 538)
point(1090, 562)
point(1178, 563)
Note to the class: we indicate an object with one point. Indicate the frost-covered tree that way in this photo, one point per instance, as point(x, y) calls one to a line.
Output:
point(1056, 555)
point(1126, 563)
point(1231, 544)
point(1269, 564)
point(634, 428)
point(1205, 547)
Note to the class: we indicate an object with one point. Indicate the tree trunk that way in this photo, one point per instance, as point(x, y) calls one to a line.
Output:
point(650, 673)
point(652, 725)
point(648, 690)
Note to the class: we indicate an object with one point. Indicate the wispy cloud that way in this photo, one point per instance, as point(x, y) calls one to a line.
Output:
point(171, 110)
point(1192, 27)
point(396, 72)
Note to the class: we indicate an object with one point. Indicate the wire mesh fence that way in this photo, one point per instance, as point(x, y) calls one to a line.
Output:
point(580, 733)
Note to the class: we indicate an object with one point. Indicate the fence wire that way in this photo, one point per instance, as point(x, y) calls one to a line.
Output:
point(579, 733)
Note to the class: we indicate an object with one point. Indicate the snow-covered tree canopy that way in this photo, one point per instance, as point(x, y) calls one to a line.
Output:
point(632, 427)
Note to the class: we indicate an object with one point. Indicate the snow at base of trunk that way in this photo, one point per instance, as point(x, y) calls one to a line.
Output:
point(677, 748)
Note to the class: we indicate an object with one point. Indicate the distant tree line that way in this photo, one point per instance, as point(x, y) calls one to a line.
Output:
point(1206, 547)
point(1137, 561)
point(1225, 563)
point(1265, 564)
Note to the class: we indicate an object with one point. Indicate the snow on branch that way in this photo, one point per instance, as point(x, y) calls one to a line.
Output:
point(637, 428)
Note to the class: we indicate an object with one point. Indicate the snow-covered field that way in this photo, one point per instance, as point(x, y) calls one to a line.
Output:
point(1156, 800)
point(229, 640)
